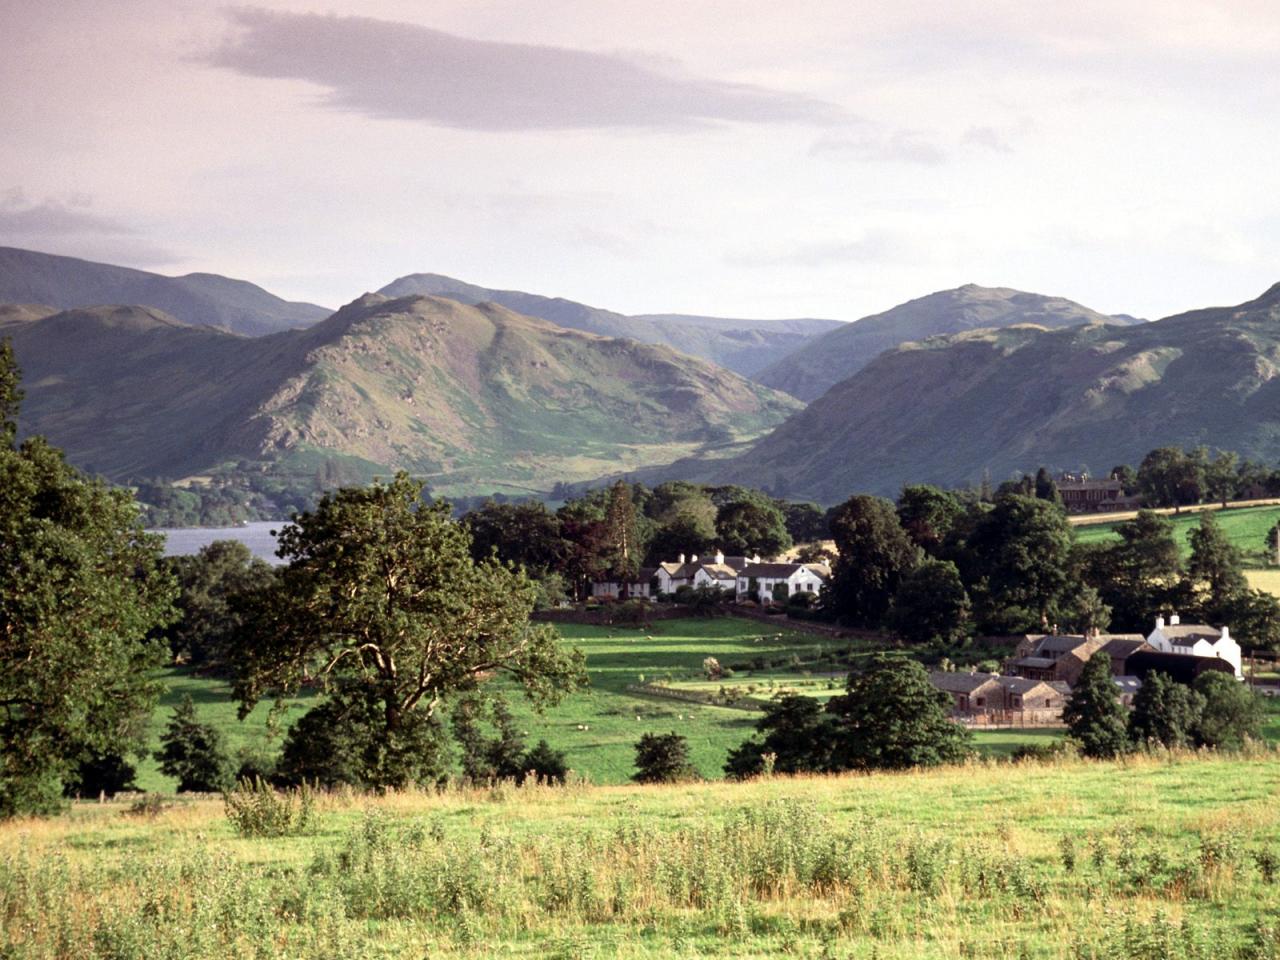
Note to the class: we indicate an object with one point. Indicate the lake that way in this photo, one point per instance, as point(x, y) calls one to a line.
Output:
point(182, 541)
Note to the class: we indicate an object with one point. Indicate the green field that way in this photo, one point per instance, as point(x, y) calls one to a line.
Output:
point(597, 728)
point(1246, 527)
point(1161, 857)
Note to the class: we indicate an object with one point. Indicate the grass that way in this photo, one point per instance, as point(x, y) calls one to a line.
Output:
point(1245, 527)
point(598, 727)
point(1174, 857)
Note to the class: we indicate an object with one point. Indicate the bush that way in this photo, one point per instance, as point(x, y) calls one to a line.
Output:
point(255, 809)
point(546, 765)
point(663, 758)
point(100, 773)
point(193, 753)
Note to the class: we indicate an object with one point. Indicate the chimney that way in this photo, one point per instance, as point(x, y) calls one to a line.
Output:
point(1173, 620)
point(682, 559)
point(1160, 622)
point(719, 557)
point(694, 558)
point(1226, 634)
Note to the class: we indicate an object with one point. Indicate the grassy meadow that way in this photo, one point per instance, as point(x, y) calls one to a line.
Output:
point(598, 727)
point(1245, 527)
point(1157, 857)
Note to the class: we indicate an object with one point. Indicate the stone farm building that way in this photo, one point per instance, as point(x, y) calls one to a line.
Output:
point(994, 698)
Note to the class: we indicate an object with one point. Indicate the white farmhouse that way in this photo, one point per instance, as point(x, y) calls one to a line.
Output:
point(758, 580)
point(1196, 640)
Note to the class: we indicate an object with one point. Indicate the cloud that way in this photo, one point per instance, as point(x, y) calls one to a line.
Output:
point(388, 70)
point(987, 137)
point(68, 225)
point(900, 146)
point(874, 246)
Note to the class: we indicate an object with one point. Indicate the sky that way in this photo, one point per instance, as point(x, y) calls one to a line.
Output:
point(745, 158)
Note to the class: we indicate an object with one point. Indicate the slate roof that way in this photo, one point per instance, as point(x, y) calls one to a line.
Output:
point(1036, 663)
point(781, 570)
point(959, 682)
point(1060, 643)
point(1123, 645)
point(1186, 634)
point(720, 571)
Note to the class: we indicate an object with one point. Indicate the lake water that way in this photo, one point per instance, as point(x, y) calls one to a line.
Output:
point(182, 541)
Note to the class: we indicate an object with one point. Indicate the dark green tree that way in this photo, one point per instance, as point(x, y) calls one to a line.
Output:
point(663, 758)
point(1093, 713)
point(747, 527)
point(1047, 487)
point(1168, 477)
point(192, 752)
point(486, 758)
point(874, 554)
point(210, 583)
point(928, 515)
point(522, 534)
point(1018, 563)
point(1141, 575)
point(806, 522)
point(1222, 476)
point(892, 718)
point(545, 765)
point(100, 773)
point(381, 593)
point(931, 604)
point(796, 730)
point(344, 740)
point(80, 590)
point(1215, 574)
point(1232, 712)
point(1165, 713)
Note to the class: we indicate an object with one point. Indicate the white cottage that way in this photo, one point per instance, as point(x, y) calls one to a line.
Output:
point(758, 580)
point(1196, 640)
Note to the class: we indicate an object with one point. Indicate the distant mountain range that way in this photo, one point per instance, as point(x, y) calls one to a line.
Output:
point(949, 409)
point(809, 370)
point(28, 277)
point(744, 346)
point(475, 398)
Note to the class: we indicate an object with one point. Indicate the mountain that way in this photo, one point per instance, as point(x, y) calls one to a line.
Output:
point(744, 346)
point(197, 298)
point(825, 360)
point(950, 409)
point(479, 399)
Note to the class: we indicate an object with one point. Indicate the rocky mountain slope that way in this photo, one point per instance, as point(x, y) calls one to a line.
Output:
point(808, 371)
point(744, 346)
point(949, 409)
point(477, 398)
point(197, 298)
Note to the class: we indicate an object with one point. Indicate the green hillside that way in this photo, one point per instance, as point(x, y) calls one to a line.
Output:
point(951, 410)
point(478, 399)
point(813, 368)
point(743, 346)
point(1245, 527)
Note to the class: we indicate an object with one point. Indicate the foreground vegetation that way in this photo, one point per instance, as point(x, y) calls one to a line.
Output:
point(1167, 857)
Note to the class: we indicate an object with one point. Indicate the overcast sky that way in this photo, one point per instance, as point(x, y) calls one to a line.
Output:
point(747, 158)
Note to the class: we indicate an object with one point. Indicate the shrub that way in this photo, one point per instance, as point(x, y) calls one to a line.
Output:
point(663, 758)
point(100, 773)
point(546, 765)
point(255, 809)
point(192, 752)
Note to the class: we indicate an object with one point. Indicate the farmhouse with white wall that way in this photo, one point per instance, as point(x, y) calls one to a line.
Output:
point(758, 581)
point(1196, 640)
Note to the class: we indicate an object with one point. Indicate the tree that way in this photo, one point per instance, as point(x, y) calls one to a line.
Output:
point(928, 515)
point(797, 731)
point(621, 533)
point(1165, 712)
point(522, 534)
point(381, 594)
point(874, 554)
point(1215, 572)
point(663, 758)
point(192, 752)
point(1020, 556)
point(344, 740)
point(892, 718)
point(1047, 487)
point(1093, 713)
point(210, 583)
point(1168, 477)
point(931, 604)
point(747, 527)
point(546, 765)
point(1222, 477)
point(806, 522)
point(100, 773)
point(81, 587)
point(1232, 712)
point(484, 759)
point(1141, 574)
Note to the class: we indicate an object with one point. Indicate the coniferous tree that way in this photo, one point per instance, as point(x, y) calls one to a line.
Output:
point(874, 554)
point(192, 752)
point(663, 758)
point(1216, 570)
point(1094, 715)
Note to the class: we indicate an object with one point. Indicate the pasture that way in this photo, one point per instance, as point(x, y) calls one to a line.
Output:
point(1170, 857)
point(597, 727)
point(1245, 527)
